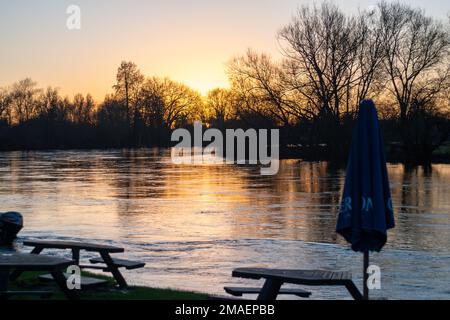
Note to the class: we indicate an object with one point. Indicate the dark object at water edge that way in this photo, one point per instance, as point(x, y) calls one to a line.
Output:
point(10, 225)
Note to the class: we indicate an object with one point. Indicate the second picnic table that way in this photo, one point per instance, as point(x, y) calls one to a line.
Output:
point(275, 278)
point(112, 265)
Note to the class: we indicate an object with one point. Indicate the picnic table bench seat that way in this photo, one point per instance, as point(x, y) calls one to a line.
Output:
point(276, 277)
point(121, 263)
point(239, 291)
point(86, 282)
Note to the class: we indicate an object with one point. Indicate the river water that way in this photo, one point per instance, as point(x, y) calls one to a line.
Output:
point(193, 224)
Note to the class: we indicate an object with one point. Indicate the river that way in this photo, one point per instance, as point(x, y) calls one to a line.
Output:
point(193, 224)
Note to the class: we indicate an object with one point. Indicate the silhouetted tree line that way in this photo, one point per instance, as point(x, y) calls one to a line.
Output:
point(393, 53)
point(141, 112)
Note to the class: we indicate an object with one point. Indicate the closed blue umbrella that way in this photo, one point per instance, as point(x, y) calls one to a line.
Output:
point(366, 210)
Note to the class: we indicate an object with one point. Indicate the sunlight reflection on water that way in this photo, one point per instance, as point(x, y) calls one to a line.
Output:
point(194, 224)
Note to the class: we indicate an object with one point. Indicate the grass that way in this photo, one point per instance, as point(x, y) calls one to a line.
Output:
point(29, 281)
point(443, 150)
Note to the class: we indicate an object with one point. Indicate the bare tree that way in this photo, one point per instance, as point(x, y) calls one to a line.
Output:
point(77, 108)
point(322, 47)
point(88, 110)
point(111, 113)
point(128, 86)
point(415, 48)
point(82, 109)
point(220, 106)
point(111, 121)
point(258, 82)
point(23, 100)
point(5, 105)
point(365, 77)
point(178, 102)
point(331, 61)
point(49, 105)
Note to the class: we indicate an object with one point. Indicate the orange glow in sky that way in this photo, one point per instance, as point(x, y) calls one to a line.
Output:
point(188, 41)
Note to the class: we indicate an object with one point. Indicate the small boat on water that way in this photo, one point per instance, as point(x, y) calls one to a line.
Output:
point(10, 225)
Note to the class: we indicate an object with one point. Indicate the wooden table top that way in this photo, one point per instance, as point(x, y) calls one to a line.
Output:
point(73, 245)
point(310, 277)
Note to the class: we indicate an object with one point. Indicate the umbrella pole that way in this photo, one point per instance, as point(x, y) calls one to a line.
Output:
point(365, 276)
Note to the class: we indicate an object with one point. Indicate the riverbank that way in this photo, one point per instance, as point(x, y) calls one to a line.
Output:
point(29, 281)
point(394, 154)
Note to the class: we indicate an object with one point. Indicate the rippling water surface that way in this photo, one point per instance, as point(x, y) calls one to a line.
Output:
point(193, 224)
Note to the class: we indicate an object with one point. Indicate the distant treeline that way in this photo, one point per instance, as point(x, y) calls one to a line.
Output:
point(393, 53)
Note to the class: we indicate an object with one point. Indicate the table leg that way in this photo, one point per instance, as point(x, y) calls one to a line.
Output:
point(76, 256)
point(61, 281)
point(4, 274)
point(353, 290)
point(37, 250)
point(270, 290)
point(113, 269)
point(16, 274)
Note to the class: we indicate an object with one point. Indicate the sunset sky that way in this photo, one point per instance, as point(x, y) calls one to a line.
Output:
point(188, 41)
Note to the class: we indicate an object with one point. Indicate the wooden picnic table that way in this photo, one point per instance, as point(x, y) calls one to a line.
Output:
point(275, 278)
point(76, 246)
point(31, 262)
